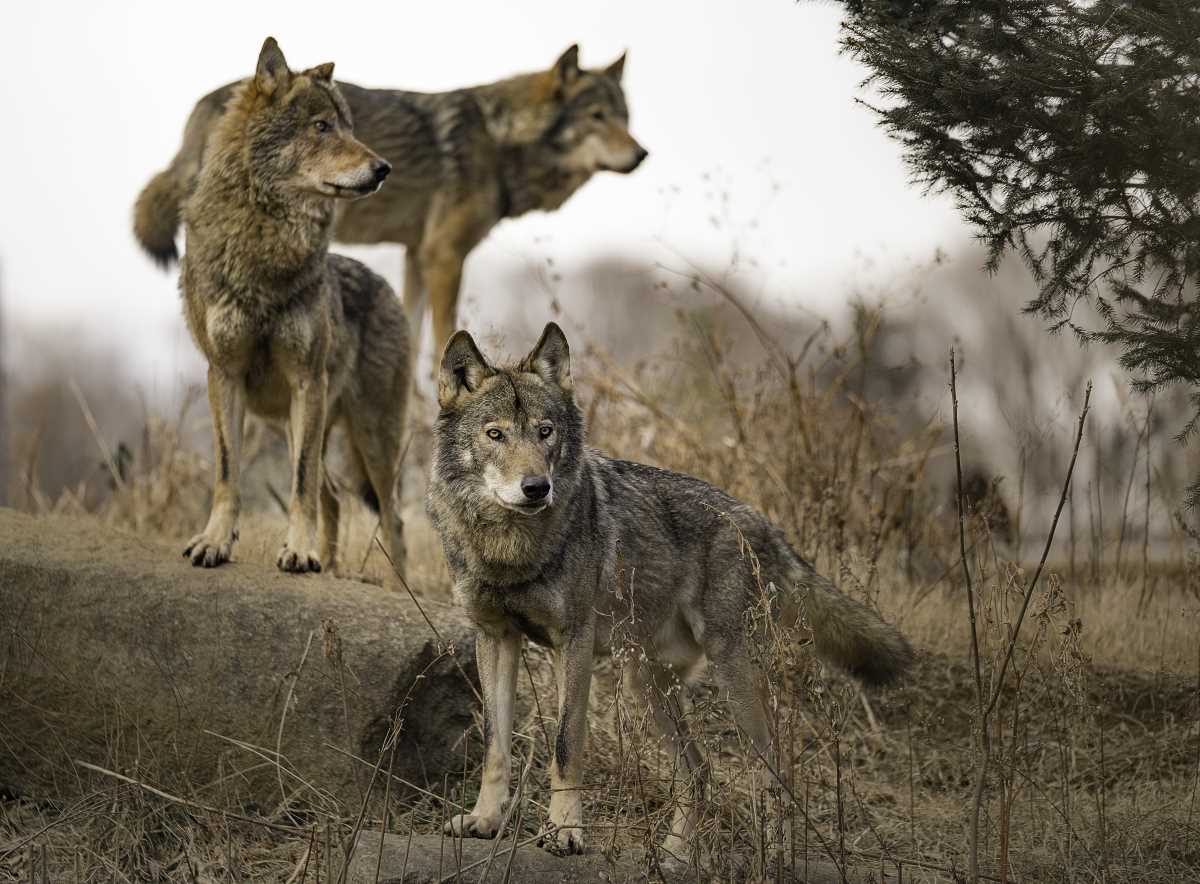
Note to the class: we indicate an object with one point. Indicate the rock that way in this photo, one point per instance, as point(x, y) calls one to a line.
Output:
point(431, 858)
point(426, 859)
point(116, 652)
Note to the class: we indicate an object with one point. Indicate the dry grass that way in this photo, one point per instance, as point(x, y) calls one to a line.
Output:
point(1094, 746)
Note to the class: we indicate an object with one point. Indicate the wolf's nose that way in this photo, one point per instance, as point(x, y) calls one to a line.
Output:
point(535, 487)
point(382, 168)
point(642, 153)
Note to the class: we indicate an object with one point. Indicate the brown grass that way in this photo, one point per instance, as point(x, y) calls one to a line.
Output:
point(1093, 745)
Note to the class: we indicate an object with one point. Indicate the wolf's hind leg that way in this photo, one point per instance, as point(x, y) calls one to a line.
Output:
point(227, 401)
point(376, 435)
point(327, 525)
point(744, 686)
point(415, 301)
point(327, 528)
point(662, 691)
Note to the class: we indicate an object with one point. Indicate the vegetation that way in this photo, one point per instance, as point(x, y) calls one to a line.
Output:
point(1066, 133)
point(1091, 744)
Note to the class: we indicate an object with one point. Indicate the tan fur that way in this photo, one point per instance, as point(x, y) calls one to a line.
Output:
point(465, 160)
point(285, 326)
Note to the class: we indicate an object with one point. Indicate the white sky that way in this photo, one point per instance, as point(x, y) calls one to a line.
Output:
point(746, 97)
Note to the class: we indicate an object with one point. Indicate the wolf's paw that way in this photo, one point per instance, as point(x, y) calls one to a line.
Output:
point(208, 552)
point(562, 840)
point(298, 562)
point(674, 853)
point(470, 825)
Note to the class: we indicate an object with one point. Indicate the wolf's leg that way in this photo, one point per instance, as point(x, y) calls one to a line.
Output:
point(376, 433)
point(327, 525)
point(327, 529)
point(744, 687)
point(443, 277)
point(661, 690)
point(307, 429)
point(227, 400)
point(415, 301)
point(497, 657)
point(573, 667)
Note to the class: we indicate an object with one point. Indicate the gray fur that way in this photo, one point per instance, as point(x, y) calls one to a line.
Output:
point(624, 552)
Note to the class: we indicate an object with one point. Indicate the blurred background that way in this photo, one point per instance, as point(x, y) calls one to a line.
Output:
point(768, 186)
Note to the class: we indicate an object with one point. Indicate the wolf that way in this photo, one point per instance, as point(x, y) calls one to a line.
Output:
point(471, 158)
point(291, 332)
point(549, 540)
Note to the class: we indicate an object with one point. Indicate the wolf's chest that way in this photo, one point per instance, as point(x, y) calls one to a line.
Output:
point(537, 612)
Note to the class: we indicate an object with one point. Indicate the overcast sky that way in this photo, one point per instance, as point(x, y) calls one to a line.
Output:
point(748, 98)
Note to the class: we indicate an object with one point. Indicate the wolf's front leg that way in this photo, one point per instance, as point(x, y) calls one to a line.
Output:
point(573, 667)
point(497, 658)
point(307, 428)
point(227, 401)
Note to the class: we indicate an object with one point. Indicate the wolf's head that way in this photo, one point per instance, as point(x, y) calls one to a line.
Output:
point(591, 128)
point(509, 438)
point(299, 135)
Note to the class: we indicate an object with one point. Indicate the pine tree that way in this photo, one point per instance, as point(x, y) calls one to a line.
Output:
point(1068, 133)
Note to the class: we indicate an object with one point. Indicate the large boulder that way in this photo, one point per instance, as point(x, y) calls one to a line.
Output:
point(116, 652)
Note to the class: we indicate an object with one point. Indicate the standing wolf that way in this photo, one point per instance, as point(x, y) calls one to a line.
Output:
point(290, 331)
point(552, 541)
point(472, 157)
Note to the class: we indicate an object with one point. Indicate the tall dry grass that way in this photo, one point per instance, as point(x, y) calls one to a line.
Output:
point(1090, 751)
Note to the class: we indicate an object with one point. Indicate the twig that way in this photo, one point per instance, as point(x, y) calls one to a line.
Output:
point(283, 719)
point(109, 462)
point(962, 533)
point(1062, 499)
point(194, 805)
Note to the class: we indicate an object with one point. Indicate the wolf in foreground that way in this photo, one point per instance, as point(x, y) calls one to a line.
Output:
point(467, 159)
point(291, 332)
point(549, 540)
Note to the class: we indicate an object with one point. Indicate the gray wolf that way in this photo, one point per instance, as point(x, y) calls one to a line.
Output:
point(466, 159)
point(291, 332)
point(549, 540)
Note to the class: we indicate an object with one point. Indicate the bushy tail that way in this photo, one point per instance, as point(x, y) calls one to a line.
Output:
point(156, 216)
point(850, 635)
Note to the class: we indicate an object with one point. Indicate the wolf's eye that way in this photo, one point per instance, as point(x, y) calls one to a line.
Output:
point(545, 430)
point(322, 126)
point(598, 114)
point(494, 434)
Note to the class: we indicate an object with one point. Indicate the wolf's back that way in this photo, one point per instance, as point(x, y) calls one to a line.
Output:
point(848, 634)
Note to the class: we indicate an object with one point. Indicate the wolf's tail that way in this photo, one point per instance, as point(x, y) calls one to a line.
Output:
point(156, 216)
point(848, 634)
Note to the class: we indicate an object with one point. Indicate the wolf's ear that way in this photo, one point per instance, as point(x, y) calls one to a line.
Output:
point(322, 72)
point(617, 68)
point(550, 359)
point(566, 69)
point(272, 72)
point(463, 369)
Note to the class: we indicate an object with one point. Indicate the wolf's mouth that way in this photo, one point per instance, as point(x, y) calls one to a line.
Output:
point(526, 509)
point(358, 190)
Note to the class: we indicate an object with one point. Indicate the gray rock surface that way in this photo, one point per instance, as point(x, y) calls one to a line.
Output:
point(115, 651)
point(425, 859)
